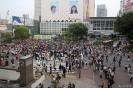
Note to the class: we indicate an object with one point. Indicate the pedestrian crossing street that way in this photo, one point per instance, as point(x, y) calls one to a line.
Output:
point(67, 76)
point(57, 67)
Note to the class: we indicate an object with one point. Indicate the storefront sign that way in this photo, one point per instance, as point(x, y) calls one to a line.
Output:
point(69, 18)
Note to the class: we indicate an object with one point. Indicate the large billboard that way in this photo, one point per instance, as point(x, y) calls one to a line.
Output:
point(17, 20)
point(54, 8)
point(62, 10)
point(22, 21)
point(29, 22)
point(73, 6)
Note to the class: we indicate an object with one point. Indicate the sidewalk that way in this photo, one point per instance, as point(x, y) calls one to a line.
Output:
point(79, 83)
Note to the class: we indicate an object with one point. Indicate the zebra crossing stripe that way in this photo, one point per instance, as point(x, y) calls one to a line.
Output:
point(67, 76)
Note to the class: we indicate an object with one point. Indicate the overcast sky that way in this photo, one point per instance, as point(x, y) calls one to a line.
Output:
point(20, 7)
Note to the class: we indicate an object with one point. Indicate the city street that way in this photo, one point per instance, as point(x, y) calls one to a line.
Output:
point(79, 83)
point(121, 77)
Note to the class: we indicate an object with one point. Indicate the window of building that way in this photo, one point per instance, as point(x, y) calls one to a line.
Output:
point(102, 25)
point(94, 28)
point(106, 28)
point(110, 28)
point(98, 28)
point(94, 22)
point(102, 28)
point(94, 25)
point(98, 25)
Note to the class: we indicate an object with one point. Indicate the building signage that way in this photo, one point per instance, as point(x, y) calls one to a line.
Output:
point(69, 18)
point(127, 5)
point(87, 9)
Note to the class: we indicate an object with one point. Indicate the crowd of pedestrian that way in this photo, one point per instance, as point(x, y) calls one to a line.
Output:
point(71, 53)
point(99, 56)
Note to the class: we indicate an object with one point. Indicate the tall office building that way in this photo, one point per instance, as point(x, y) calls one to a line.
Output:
point(101, 10)
point(92, 8)
point(37, 10)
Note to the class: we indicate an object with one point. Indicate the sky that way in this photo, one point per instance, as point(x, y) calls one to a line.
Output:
point(20, 7)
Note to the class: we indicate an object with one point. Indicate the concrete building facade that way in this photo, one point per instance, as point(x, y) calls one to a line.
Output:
point(103, 25)
point(101, 10)
point(37, 9)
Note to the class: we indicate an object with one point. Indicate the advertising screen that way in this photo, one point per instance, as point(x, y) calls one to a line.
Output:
point(17, 20)
point(54, 8)
point(73, 6)
point(29, 22)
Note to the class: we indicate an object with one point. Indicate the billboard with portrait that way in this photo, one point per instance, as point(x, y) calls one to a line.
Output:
point(54, 8)
point(73, 6)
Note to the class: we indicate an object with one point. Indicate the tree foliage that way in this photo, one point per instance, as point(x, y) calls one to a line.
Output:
point(76, 31)
point(8, 37)
point(22, 33)
point(124, 25)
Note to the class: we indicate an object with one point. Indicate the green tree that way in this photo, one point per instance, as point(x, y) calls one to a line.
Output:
point(77, 31)
point(124, 25)
point(22, 33)
point(8, 37)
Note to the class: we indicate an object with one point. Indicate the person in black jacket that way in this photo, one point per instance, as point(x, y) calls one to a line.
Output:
point(12, 61)
point(69, 68)
point(111, 81)
point(69, 85)
point(7, 63)
point(66, 64)
point(60, 67)
point(64, 72)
